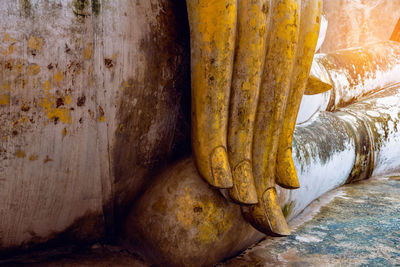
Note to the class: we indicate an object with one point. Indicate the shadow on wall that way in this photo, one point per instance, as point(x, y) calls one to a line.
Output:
point(160, 133)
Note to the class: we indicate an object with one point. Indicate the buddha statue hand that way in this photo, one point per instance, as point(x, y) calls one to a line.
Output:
point(250, 62)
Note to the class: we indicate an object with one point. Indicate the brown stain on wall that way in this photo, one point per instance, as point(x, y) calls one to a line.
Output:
point(152, 117)
point(96, 7)
point(80, 9)
point(26, 7)
point(84, 230)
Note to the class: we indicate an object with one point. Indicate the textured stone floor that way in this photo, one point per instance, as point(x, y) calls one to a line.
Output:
point(357, 225)
point(98, 255)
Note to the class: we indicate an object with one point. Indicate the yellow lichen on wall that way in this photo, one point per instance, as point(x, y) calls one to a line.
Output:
point(58, 77)
point(47, 85)
point(49, 103)
point(4, 99)
point(204, 216)
point(6, 86)
point(21, 120)
point(35, 43)
point(67, 100)
point(20, 154)
point(53, 113)
point(33, 157)
point(88, 52)
point(7, 50)
point(33, 69)
point(102, 117)
point(7, 38)
point(127, 85)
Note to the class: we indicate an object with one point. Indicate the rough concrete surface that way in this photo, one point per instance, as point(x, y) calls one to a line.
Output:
point(355, 225)
point(360, 226)
point(98, 255)
point(89, 110)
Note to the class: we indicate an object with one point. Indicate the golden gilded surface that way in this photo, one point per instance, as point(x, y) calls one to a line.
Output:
point(203, 216)
point(250, 67)
point(274, 91)
point(212, 33)
point(315, 85)
point(249, 62)
point(308, 36)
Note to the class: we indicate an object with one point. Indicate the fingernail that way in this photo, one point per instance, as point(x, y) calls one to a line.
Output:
point(220, 169)
point(267, 216)
point(286, 175)
point(274, 214)
point(243, 190)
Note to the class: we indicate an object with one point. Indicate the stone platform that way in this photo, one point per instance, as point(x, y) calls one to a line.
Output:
point(355, 225)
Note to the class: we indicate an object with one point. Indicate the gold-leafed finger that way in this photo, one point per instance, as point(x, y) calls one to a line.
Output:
point(244, 190)
point(286, 175)
point(248, 67)
point(274, 90)
point(212, 34)
point(267, 216)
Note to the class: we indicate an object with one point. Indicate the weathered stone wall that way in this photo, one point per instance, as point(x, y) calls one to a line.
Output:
point(358, 22)
point(90, 108)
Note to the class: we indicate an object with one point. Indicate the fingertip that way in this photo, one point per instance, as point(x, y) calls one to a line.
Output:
point(220, 169)
point(286, 175)
point(244, 190)
point(267, 217)
point(274, 214)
